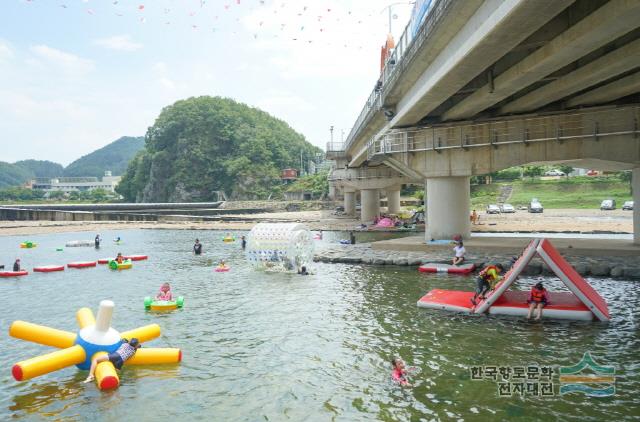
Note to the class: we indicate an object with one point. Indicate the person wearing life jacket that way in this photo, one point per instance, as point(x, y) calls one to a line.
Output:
point(538, 299)
point(487, 279)
point(127, 349)
point(165, 292)
point(119, 258)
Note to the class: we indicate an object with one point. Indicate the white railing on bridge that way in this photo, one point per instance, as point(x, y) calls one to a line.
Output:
point(335, 146)
point(592, 124)
point(363, 173)
point(408, 44)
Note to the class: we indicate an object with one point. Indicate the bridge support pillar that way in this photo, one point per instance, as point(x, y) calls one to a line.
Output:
point(635, 187)
point(349, 202)
point(332, 192)
point(393, 200)
point(370, 201)
point(448, 203)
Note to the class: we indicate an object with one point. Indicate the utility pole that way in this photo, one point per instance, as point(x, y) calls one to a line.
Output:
point(301, 164)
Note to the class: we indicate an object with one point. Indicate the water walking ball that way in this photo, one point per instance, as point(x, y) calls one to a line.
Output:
point(95, 338)
point(281, 244)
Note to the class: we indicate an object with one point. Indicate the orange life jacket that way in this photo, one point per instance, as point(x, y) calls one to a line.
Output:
point(537, 295)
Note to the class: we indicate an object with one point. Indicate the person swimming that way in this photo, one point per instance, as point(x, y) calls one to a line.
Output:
point(399, 373)
point(303, 271)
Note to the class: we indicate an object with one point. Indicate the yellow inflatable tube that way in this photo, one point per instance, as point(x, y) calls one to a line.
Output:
point(146, 333)
point(106, 375)
point(42, 335)
point(155, 355)
point(50, 362)
point(85, 317)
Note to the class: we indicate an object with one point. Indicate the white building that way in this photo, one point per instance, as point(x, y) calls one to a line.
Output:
point(76, 184)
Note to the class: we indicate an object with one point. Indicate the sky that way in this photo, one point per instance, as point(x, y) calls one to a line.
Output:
point(76, 75)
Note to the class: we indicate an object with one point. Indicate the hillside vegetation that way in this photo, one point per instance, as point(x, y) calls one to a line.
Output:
point(202, 145)
point(114, 157)
point(12, 175)
point(41, 168)
point(575, 192)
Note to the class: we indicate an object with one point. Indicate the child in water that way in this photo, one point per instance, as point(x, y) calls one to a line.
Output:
point(125, 352)
point(222, 265)
point(119, 258)
point(487, 279)
point(399, 373)
point(538, 299)
point(165, 292)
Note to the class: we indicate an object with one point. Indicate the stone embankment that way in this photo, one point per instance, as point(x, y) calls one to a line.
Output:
point(617, 267)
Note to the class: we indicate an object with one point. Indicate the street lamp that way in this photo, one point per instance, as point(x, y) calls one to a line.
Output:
point(389, 9)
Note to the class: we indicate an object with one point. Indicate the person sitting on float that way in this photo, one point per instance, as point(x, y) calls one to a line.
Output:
point(127, 349)
point(222, 265)
point(538, 299)
point(165, 292)
point(459, 251)
point(119, 258)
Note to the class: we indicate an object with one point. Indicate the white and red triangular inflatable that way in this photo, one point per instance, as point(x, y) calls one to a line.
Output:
point(581, 303)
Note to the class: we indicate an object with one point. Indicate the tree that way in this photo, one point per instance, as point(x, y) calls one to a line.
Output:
point(202, 145)
point(565, 169)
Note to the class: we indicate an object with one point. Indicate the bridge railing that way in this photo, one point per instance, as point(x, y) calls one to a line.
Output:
point(363, 173)
point(335, 146)
point(594, 124)
point(408, 44)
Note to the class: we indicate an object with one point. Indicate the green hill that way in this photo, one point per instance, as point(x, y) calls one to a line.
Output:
point(575, 192)
point(205, 144)
point(13, 175)
point(114, 157)
point(40, 168)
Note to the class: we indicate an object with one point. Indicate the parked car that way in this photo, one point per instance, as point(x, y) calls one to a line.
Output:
point(554, 172)
point(535, 206)
point(627, 206)
point(493, 209)
point(507, 208)
point(608, 204)
point(592, 173)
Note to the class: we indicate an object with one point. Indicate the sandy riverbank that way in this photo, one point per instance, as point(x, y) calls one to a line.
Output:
point(550, 221)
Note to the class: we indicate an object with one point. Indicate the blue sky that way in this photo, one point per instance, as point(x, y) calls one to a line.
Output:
point(76, 74)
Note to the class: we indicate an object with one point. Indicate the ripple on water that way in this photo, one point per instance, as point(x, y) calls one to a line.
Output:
point(279, 346)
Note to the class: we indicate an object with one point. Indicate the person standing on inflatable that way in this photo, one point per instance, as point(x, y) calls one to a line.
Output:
point(486, 279)
point(16, 265)
point(125, 352)
point(197, 248)
point(538, 298)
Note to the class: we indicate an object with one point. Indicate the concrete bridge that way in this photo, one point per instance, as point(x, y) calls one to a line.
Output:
point(486, 85)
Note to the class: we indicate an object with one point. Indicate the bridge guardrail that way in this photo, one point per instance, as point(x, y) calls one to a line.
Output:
point(363, 173)
point(597, 124)
point(405, 49)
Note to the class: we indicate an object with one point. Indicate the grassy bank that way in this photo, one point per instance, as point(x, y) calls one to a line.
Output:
point(577, 193)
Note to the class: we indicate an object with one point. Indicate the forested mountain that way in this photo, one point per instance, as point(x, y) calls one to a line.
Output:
point(41, 168)
point(205, 144)
point(114, 157)
point(13, 175)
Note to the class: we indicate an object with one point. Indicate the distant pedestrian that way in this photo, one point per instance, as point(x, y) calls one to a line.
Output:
point(352, 238)
point(244, 243)
point(197, 247)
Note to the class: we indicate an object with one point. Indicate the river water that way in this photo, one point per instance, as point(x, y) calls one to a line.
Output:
point(259, 346)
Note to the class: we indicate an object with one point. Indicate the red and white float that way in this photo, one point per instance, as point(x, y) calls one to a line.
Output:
point(82, 264)
point(446, 268)
point(48, 268)
point(136, 257)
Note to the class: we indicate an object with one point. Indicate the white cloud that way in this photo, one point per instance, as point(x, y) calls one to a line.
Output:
point(5, 51)
point(118, 43)
point(66, 62)
point(167, 83)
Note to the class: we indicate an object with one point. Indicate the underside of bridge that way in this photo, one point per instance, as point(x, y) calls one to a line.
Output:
point(492, 84)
